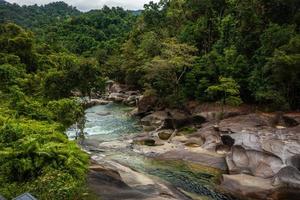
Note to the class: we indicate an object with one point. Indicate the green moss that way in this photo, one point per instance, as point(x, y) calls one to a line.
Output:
point(187, 130)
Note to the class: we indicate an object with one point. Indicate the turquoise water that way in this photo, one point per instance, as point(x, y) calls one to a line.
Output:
point(198, 180)
point(108, 122)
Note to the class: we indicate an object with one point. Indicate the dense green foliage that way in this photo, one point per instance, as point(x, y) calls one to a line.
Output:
point(35, 155)
point(38, 77)
point(39, 71)
point(36, 16)
point(228, 51)
point(253, 43)
point(97, 32)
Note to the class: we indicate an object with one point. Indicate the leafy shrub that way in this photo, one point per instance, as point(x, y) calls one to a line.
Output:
point(37, 157)
point(65, 111)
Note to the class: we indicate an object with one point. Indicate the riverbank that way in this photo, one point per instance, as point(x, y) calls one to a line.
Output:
point(257, 153)
point(118, 172)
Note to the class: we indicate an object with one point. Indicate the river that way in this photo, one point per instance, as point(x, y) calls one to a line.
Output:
point(112, 122)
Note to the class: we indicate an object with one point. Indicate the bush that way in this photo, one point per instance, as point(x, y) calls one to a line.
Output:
point(36, 157)
point(65, 111)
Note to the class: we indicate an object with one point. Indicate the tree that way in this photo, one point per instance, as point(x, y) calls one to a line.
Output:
point(56, 85)
point(227, 90)
point(89, 77)
point(150, 44)
point(15, 40)
point(65, 111)
point(284, 71)
point(166, 72)
point(9, 76)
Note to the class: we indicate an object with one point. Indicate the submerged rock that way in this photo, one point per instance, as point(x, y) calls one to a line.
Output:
point(103, 113)
point(202, 158)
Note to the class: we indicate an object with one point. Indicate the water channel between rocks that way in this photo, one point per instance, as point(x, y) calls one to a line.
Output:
point(112, 122)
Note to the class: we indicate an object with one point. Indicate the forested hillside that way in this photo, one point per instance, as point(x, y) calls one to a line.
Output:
point(49, 55)
point(96, 33)
point(225, 51)
point(35, 155)
point(230, 50)
point(36, 16)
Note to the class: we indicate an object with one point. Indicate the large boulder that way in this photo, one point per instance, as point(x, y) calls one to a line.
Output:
point(281, 148)
point(133, 93)
point(131, 100)
point(247, 140)
point(289, 176)
point(168, 119)
point(253, 162)
point(177, 119)
point(247, 187)
point(114, 87)
point(113, 181)
point(211, 139)
point(213, 116)
point(146, 104)
point(256, 188)
point(249, 123)
point(154, 119)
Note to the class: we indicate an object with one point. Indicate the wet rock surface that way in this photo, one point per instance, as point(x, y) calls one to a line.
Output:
point(248, 187)
point(201, 158)
point(122, 94)
point(112, 181)
point(260, 147)
point(253, 162)
point(95, 102)
point(258, 153)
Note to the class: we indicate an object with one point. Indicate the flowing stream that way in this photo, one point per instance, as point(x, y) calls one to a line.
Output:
point(113, 123)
